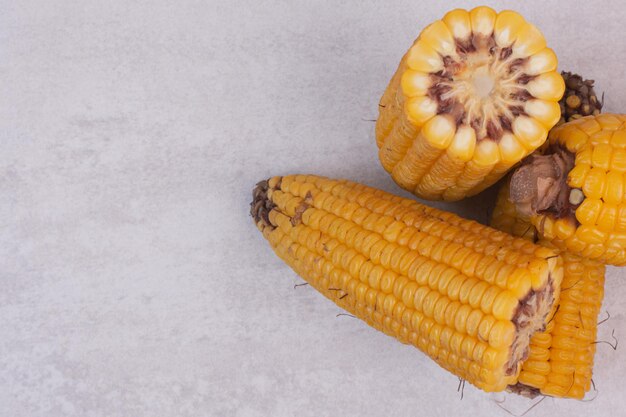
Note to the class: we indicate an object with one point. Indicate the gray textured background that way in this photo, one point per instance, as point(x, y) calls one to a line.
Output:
point(133, 282)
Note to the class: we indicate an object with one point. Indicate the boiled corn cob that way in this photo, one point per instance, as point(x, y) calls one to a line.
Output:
point(476, 93)
point(560, 362)
point(575, 193)
point(467, 295)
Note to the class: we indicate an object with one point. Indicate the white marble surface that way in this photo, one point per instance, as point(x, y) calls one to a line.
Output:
point(133, 282)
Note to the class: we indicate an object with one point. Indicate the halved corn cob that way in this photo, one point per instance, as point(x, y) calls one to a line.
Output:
point(476, 93)
point(467, 295)
point(575, 193)
point(560, 362)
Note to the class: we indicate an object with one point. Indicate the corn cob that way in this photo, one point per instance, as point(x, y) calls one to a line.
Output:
point(476, 93)
point(467, 295)
point(574, 194)
point(560, 361)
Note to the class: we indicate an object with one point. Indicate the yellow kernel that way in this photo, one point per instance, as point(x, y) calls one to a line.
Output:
point(595, 183)
point(614, 189)
point(392, 231)
point(416, 321)
point(476, 294)
point(467, 347)
point(543, 340)
point(564, 342)
point(455, 286)
point(504, 305)
point(428, 304)
point(618, 161)
point(607, 218)
point(415, 83)
point(361, 290)
point(423, 58)
point(424, 272)
point(590, 235)
point(539, 354)
point(588, 212)
point(461, 318)
point(601, 156)
point(436, 274)
point(408, 294)
point(458, 22)
point(608, 121)
point(387, 280)
point(439, 309)
point(473, 322)
point(447, 276)
point(484, 328)
point(564, 228)
point(537, 367)
point(502, 334)
point(576, 177)
point(621, 218)
point(388, 304)
point(519, 282)
point(619, 139)
point(532, 380)
point(375, 277)
point(370, 298)
point(445, 337)
point(450, 313)
point(540, 272)
point(466, 289)
point(486, 303)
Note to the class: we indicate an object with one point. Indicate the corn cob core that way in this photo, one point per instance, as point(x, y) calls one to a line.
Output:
point(465, 294)
point(476, 93)
point(560, 360)
point(579, 205)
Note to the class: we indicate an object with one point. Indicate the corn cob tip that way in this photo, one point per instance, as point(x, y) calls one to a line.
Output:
point(261, 205)
point(580, 98)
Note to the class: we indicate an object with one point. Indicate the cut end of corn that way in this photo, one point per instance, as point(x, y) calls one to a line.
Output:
point(560, 359)
point(560, 362)
point(540, 184)
point(575, 193)
point(480, 70)
point(467, 295)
